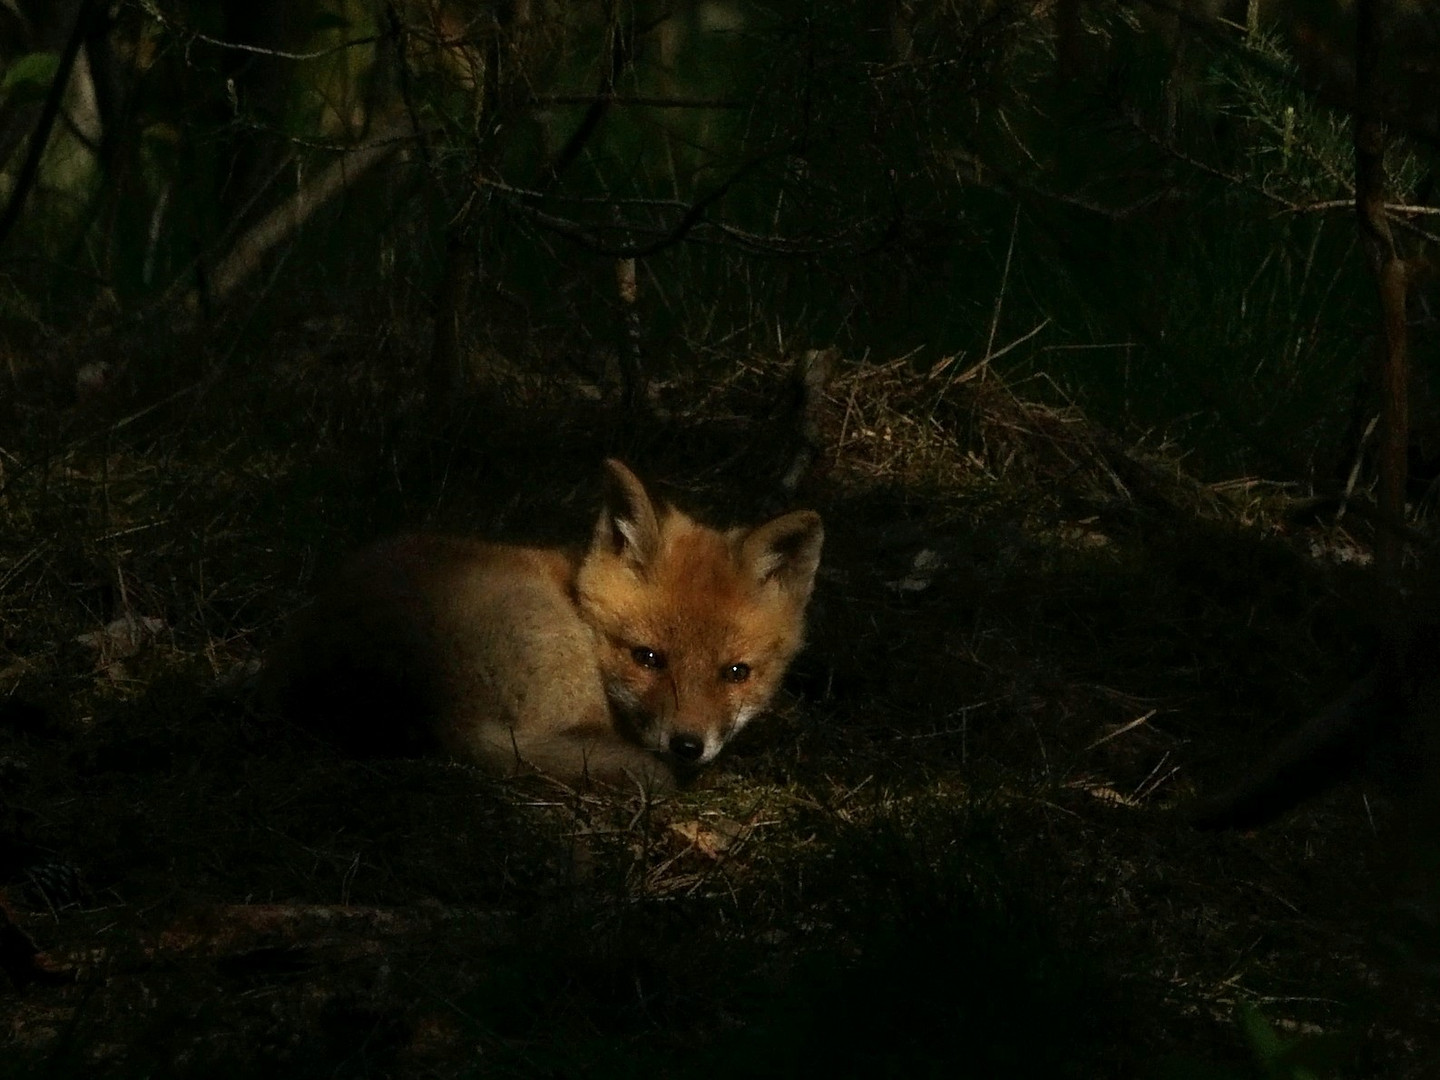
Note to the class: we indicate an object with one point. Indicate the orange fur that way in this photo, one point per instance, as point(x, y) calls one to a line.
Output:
point(639, 657)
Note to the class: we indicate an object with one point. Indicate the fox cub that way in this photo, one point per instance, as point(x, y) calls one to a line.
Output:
point(638, 657)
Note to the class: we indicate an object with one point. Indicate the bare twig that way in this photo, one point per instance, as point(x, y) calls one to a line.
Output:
point(1000, 294)
point(1349, 204)
point(1131, 725)
point(186, 33)
point(692, 216)
point(638, 101)
point(619, 57)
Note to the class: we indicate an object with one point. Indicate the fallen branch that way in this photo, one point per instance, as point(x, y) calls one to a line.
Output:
point(1327, 749)
point(283, 222)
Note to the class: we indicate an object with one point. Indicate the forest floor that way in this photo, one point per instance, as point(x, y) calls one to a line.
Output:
point(958, 846)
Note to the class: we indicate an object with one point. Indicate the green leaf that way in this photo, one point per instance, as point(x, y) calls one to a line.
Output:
point(1264, 1043)
point(32, 69)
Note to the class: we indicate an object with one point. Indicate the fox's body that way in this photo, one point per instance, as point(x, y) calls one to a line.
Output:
point(639, 656)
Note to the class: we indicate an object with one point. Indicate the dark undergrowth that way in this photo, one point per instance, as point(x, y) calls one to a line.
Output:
point(953, 850)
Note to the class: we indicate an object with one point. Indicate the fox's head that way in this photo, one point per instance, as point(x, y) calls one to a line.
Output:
point(695, 627)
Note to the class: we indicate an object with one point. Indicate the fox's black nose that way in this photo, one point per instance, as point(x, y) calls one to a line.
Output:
point(687, 747)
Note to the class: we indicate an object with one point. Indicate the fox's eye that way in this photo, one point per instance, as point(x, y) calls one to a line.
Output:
point(647, 658)
point(735, 672)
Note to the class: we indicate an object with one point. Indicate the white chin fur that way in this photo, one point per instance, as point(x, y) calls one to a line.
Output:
point(743, 717)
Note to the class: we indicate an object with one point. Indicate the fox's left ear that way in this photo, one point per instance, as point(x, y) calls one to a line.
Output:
point(786, 550)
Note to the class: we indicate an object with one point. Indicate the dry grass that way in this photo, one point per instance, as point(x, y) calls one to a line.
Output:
point(952, 849)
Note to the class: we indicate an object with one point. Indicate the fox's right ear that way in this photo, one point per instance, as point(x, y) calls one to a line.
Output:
point(629, 526)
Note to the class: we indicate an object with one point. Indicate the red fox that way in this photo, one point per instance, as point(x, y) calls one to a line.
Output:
point(638, 657)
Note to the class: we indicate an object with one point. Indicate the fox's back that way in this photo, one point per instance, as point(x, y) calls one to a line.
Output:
point(420, 638)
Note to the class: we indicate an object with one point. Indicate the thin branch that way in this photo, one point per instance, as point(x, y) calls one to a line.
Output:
point(1206, 168)
point(397, 35)
point(153, 10)
point(387, 139)
point(639, 101)
point(1395, 215)
point(691, 228)
point(1349, 204)
point(1000, 295)
point(615, 64)
point(1394, 212)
